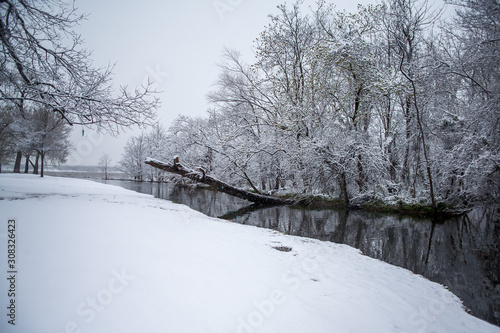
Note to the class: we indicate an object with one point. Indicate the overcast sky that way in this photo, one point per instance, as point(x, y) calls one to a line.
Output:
point(177, 44)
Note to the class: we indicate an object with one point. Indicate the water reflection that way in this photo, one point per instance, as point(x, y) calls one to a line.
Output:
point(463, 253)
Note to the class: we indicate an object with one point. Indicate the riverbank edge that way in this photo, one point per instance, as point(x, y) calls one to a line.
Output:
point(444, 211)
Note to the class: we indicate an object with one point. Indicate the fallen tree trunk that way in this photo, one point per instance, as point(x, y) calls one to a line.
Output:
point(199, 176)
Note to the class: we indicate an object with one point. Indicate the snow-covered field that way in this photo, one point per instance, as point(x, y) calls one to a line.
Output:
point(96, 258)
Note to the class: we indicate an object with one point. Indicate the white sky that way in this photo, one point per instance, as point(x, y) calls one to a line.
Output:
point(177, 44)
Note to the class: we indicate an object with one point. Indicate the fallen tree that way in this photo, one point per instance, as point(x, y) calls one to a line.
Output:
point(199, 175)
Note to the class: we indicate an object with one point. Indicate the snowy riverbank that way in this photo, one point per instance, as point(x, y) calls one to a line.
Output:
point(97, 258)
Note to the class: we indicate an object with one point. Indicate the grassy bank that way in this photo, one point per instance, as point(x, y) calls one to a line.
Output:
point(443, 211)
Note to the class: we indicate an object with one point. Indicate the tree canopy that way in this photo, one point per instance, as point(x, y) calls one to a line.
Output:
point(43, 62)
point(44, 69)
point(392, 103)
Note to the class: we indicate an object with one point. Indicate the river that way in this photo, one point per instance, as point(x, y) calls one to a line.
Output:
point(462, 253)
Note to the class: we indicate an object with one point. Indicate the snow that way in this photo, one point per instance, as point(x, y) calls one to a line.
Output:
point(98, 258)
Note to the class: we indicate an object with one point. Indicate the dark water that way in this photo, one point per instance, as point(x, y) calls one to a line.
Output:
point(462, 253)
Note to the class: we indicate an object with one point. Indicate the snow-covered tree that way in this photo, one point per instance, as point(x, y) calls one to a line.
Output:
point(471, 60)
point(7, 141)
point(132, 162)
point(153, 144)
point(42, 63)
point(381, 104)
point(105, 164)
point(43, 132)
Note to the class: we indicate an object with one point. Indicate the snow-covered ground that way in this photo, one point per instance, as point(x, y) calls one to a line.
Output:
point(96, 258)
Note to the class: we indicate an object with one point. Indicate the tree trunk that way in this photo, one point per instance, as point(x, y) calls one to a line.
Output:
point(361, 175)
point(418, 117)
point(201, 177)
point(343, 188)
point(27, 164)
point(42, 157)
point(405, 172)
point(35, 167)
point(17, 164)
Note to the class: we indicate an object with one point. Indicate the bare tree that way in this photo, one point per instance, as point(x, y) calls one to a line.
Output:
point(409, 19)
point(133, 157)
point(7, 146)
point(50, 137)
point(105, 163)
point(43, 132)
point(42, 62)
point(471, 59)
